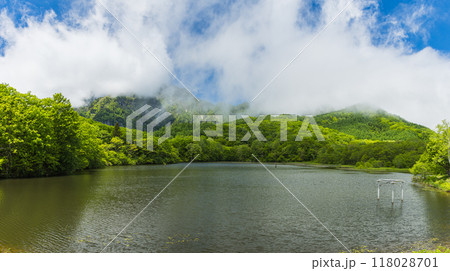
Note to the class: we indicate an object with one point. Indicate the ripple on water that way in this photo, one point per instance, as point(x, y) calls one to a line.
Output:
point(217, 208)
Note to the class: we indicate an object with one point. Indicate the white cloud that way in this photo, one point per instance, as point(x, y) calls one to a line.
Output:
point(245, 46)
point(96, 57)
point(341, 68)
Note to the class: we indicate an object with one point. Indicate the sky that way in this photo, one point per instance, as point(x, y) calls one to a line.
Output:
point(394, 55)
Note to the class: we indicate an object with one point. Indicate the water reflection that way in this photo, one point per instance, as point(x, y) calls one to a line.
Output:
point(216, 208)
point(35, 212)
point(389, 210)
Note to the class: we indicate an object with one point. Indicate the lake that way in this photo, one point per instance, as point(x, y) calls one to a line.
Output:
point(218, 207)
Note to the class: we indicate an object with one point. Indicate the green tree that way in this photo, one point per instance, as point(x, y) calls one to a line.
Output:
point(193, 149)
point(435, 160)
point(116, 132)
point(433, 166)
point(243, 153)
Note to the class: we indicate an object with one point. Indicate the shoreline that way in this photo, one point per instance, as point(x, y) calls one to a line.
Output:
point(350, 167)
point(429, 187)
point(305, 164)
point(420, 247)
point(10, 250)
point(423, 185)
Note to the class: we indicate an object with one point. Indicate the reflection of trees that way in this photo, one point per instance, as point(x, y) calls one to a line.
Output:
point(389, 211)
point(437, 206)
point(41, 214)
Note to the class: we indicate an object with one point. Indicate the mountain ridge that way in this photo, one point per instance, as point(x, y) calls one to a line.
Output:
point(360, 120)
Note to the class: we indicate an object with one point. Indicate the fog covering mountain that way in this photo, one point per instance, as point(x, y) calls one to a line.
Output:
point(368, 122)
point(180, 103)
point(46, 137)
point(361, 121)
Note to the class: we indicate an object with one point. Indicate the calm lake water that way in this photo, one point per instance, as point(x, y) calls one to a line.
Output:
point(217, 208)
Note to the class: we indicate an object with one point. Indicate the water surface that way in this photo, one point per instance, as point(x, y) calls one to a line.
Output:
point(217, 207)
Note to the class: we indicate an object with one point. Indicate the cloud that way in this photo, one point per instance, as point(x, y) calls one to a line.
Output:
point(83, 55)
point(231, 51)
point(406, 21)
point(342, 66)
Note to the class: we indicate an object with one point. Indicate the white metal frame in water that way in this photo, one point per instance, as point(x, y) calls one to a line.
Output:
point(392, 182)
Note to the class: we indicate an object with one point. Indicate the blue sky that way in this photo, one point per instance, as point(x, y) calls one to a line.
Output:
point(437, 24)
point(392, 54)
point(34, 7)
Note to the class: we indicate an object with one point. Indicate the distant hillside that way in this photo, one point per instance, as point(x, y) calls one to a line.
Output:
point(109, 110)
point(45, 137)
point(373, 124)
point(362, 122)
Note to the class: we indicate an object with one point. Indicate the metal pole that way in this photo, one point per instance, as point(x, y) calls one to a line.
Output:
point(402, 191)
point(392, 194)
point(378, 191)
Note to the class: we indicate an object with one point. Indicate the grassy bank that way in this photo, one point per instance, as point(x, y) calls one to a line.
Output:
point(10, 250)
point(436, 183)
point(439, 182)
point(430, 246)
point(349, 167)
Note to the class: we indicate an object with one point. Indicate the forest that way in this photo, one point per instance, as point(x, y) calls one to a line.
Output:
point(47, 137)
point(433, 167)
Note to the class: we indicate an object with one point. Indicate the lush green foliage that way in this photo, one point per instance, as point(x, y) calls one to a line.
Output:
point(109, 110)
point(45, 137)
point(374, 125)
point(38, 137)
point(433, 168)
point(439, 249)
point(430, 246)
point(338, 148)
point(42, 137)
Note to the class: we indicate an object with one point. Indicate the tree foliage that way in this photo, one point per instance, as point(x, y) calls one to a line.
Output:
point(373, 125)
point(43, 137)
point(433, 167)
point(38, 137)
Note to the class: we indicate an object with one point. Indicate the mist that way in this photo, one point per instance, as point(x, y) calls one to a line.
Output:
point(227, 53)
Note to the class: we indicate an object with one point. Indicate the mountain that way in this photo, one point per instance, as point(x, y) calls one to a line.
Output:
point(55, 140)
point(109, 110)
point(360, 121)
point(182, 105)
point(364, 122)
